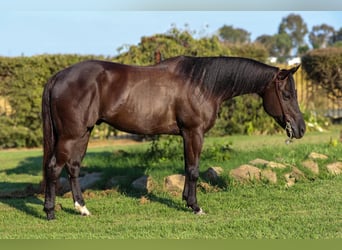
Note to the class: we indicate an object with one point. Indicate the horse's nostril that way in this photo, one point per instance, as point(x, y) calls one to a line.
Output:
point(302, 130)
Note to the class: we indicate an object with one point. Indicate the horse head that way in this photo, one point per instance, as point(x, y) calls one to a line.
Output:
point(280, 102)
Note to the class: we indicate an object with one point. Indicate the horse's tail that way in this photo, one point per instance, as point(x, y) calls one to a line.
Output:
point(49, 137)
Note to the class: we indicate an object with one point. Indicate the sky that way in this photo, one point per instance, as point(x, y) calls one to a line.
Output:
point(29, 30)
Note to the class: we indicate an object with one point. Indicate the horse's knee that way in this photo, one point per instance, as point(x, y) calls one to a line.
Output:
point(193, 174)
point(73, 168)
point(52, 170)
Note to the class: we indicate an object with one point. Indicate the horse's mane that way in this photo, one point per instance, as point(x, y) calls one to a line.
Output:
point(229, 76)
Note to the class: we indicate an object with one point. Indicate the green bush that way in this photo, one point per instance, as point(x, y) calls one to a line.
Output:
point(244, 115)
point(22, 80)
point(323, 67)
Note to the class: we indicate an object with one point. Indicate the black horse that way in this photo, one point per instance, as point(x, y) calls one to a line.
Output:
point(179, 96)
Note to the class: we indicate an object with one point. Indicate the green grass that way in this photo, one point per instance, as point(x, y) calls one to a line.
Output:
point(309, 210)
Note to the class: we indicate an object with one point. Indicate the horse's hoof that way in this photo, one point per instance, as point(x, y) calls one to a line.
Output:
point(82, 209)
point(199, 212)
point(50, 216)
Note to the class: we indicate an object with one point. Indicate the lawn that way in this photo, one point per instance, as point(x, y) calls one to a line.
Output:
point(311, 209)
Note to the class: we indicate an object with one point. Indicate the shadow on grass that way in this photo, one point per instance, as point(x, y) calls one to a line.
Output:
point(23, 196)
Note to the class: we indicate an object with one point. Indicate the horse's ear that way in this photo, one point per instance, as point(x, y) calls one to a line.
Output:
point(294, 69)
point(285, 72)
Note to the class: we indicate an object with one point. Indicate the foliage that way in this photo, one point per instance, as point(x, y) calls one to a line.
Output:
point(295, 27)
point(234, 35)
point(173, 43)
point(321, 36)
point(278, 45)
point(163, 148)
point(337, 37)
point(22, 80)
point(323, 67)
point(250, 118)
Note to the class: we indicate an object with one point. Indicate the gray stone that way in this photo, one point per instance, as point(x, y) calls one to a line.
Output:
point(213, 174)
point(143, 183)
point(86, 181)
point(89, 180)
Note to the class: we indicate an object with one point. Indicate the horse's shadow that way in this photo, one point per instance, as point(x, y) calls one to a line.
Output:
point(25, 196)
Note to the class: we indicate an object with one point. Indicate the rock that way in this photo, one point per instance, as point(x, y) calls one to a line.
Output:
point(246, 173)
point(89, 180)
point(86, 181)
point(259, 161)
point(335, 168)
point(269, 175)
point(290, 181)
point(63, 185)
point(314, 155)
point(294, 176)
point(174, 182)
point(273, 164)
point(115, 181)
point(311, 165)
point(213, 174)
point(143, 183)
point(297, 174)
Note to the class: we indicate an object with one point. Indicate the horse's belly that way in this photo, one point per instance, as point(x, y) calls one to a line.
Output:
point(145, 119)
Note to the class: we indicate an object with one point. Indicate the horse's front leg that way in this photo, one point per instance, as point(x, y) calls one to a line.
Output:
point(193, 141)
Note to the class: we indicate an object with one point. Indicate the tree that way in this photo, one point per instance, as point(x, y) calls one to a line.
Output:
point(278, 45)
point(268, 42)
point(234, 35)
point(337, 37)
point(294, 26)
point(321, 36)
point(282, 44)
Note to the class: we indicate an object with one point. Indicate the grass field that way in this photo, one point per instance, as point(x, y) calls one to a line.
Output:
point(309, 210)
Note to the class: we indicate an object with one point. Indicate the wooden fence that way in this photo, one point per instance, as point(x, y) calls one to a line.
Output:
point(314, 98)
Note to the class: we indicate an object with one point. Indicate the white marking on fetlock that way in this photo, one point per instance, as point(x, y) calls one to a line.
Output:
point(82, 209)
point(200, 212)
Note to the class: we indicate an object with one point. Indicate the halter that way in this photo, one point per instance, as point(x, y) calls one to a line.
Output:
point(288, 127)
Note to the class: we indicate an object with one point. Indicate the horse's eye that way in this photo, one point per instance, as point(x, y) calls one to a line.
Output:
point(286, 95)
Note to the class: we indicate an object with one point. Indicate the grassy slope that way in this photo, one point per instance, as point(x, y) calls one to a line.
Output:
point(310, 209)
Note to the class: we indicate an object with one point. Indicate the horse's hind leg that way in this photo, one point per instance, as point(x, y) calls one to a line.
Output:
point(50, 189)
point(52, 172)
point(73, 167)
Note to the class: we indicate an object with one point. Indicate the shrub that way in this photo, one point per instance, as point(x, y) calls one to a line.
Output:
point(323, 67)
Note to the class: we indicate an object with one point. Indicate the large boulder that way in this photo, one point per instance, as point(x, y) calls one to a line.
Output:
point(213, 174)
point(143, 183)
point(174, 183)
point(245, 173)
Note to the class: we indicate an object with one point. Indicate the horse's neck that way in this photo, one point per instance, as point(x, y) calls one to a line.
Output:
point(240, 87)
